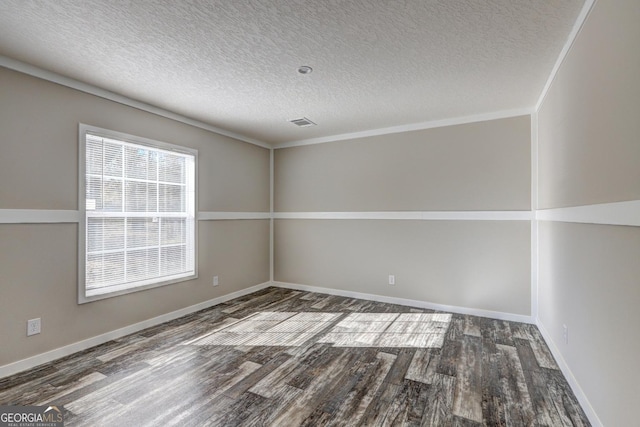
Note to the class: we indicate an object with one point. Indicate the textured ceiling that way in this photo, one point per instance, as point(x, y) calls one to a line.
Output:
point(232, 64)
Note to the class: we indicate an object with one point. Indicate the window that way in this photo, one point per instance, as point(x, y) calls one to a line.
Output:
point(137, 227)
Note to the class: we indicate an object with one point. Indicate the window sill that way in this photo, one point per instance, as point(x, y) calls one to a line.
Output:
point(100, 294)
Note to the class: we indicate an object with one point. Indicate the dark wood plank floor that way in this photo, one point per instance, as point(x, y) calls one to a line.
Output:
point(485, 372)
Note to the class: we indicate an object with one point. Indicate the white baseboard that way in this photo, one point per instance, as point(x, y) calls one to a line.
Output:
point(32, 362)
point(408, 302)
point(566, 371)
point(49, 356)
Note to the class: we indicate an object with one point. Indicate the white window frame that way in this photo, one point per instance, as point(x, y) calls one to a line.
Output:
point(85, 129)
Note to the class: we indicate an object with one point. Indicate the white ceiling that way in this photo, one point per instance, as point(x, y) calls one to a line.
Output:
point(232, 64)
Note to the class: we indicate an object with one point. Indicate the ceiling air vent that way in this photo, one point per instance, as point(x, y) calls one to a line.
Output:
point(302, 122)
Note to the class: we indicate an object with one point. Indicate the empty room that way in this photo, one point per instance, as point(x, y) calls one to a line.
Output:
point(319, 213)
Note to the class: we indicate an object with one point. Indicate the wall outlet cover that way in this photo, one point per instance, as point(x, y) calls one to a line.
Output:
point(33, 326)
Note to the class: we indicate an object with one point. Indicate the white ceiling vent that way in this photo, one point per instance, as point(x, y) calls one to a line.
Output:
point(302, 122)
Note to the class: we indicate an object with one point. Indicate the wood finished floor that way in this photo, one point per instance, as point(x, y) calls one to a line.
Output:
point(487, 372)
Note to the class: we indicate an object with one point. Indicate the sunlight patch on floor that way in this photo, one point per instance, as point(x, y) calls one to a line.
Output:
point(292, 329)
point(416, 330)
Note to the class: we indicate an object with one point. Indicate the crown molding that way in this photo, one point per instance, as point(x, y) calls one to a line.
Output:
point(15, 65)
point(53, 77)
point(573, 35)
point(411, 127)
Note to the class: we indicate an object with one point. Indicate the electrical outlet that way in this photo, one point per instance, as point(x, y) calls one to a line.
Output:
point(215, 281)
point(565, 334)
point(33, 327)
point(392, 279)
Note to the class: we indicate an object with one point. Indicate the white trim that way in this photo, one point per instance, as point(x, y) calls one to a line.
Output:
point(50, 76)
point(215, 216)
point(44, 216)
point(123, 138)
point(534, 224)
point(571, 379)
point(617, 213)
point(271, 207)
point(49, 356)
point(411, 127)
point(191, 173)
point(408, 302)
point(535, 268)
point(577, 26)
point(38, 216)
point(413, 215)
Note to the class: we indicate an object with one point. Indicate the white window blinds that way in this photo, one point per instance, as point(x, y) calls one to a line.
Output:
point(139, 223)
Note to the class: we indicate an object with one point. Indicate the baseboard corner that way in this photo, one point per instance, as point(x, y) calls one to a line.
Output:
point(407, 302)
point(568, 374)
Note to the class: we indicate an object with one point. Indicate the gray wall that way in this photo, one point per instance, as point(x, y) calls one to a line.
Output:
point(590, 153)
point(471, 167)
point(474, 264)
point(39, 170)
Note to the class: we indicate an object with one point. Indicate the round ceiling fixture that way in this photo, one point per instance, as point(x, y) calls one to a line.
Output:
point(305, 69)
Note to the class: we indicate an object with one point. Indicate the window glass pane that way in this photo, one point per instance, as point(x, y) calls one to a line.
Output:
point(112, 159)
point(152, 171)
point(94, 268)
point(104, 270)
point(113, 268)
point(142, 264)
point(142, 232)
point(94, 155)
point(172, 198)
point(141, 196)
point(112, 195)
point(172, 168)
point(105, 234)
point(95, 234)
point(173, 231)
point(93, 190)
point(135, 162)
point(173, 259)
point(113, 233)
point(132, 233)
